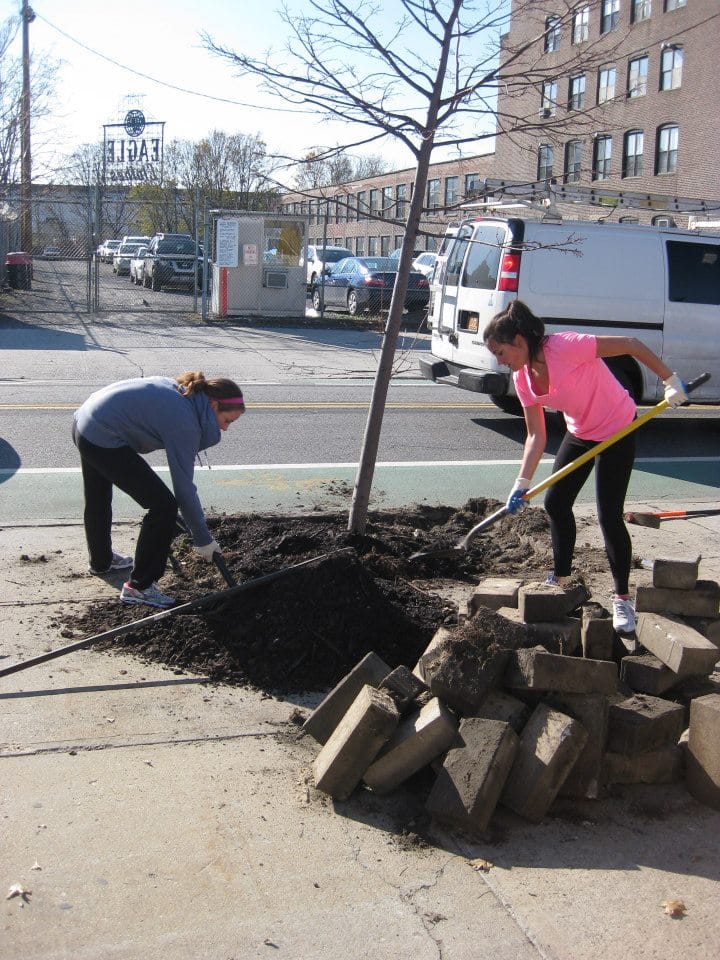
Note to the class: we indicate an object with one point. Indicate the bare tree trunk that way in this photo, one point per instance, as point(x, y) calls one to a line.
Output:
point(357, 519)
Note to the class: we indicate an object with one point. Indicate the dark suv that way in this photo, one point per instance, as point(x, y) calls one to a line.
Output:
point(171, 261)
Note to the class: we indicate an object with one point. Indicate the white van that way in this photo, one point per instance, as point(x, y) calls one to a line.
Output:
point(661, 285)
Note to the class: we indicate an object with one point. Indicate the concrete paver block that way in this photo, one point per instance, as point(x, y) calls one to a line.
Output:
point(539, 602)
point(472, 777)
point(536, 669)
point(417, 741)
point(678, 574)
point(549, 747)
point(642, 722)
point(702, 601)
point(441, 635)
point(355, 742)
point(591, 710)
point(677, 644)
point(557, 636)
point(645, 673)
point(597, 636)
point(498, 705)
point(403, 686)
point(703, 758)
point(652, 766)
point(495, 592)
point(372, 670)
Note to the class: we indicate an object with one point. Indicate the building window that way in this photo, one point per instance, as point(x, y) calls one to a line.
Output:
point(573, 157)
point(384, 246)
point(671, 65)
point(339, 209)
point(667, 149)
point(633, 145)
point(576, 92)
point(640, 11)
point(674, 4)
point(549, 98)
point(472, 182)
point(360, 247)
point(387, 202)
point(602, 155)
point(398, 241)
point(361, 204)
point(637, 77)
point(606, 84)
point(581, 24)
point(372, 246)
point(401, 201)
point(609, 15)
point(374, 201)
point(552, 34)
point(452, 186)
point(545, 162)
point(433, 194)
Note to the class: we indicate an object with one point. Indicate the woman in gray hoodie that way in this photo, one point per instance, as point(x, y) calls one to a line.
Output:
point(123, 420)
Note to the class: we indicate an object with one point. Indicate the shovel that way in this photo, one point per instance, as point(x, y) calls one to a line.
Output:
point(462, 546)
point(653, 519)
point(209, 601)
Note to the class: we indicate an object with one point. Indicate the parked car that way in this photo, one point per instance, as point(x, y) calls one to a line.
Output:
point(137, 266)
point(50, 253)
point(130, 239)
point(107, 250)
point(317, 257)
point(170, 261)
point(366, 283)
point(395, 254)
point(425, 264)
point(121, 260)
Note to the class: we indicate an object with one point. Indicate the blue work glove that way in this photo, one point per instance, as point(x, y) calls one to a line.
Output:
point(517, 495)
point(675, 391)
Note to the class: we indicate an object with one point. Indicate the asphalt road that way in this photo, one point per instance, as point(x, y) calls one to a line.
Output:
point(308, 392)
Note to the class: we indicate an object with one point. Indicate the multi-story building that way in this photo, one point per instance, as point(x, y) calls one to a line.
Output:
point(625, 95)
point(617, 95)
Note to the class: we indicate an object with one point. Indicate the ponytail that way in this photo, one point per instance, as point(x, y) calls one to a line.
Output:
point(227, 393)
point(516, 319)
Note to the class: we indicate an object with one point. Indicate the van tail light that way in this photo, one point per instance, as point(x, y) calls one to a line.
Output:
point(509, 272)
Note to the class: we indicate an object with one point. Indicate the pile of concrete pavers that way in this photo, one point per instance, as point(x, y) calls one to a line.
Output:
point(533, 696)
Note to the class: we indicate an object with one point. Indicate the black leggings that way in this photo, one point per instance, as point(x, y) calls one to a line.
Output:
point(103, 467)
point(612, 475)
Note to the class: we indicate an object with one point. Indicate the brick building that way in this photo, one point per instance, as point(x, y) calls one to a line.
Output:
point(610, 94)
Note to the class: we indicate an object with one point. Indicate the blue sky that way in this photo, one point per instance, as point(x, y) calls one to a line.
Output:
point(159, 40)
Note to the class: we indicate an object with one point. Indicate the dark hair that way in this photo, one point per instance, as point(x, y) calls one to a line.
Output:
point(516, 318)
point(217, 388)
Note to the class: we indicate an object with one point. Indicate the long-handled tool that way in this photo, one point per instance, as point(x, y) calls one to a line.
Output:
point(462, 545)
point(207, 602)
point(653, 519)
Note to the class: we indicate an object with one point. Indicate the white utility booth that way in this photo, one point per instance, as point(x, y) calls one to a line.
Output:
point(258, 264)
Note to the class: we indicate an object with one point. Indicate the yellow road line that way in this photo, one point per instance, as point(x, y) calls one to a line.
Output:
point(280, 405)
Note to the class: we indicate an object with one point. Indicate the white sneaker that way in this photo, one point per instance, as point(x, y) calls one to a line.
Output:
point(623, 615)
point(118, 562)
point(150, 596)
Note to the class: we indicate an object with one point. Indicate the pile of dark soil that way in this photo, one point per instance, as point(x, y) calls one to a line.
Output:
point(304, 630)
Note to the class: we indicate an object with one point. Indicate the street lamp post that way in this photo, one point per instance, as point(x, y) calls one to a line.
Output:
point(25, 155)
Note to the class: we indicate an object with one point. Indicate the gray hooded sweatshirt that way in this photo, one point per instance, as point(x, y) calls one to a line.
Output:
point(151, 413)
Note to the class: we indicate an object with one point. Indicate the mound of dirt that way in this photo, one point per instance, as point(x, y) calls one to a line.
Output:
point(304, 630)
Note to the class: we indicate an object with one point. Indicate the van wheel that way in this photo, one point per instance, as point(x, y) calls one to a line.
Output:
point(316, 299)
point(509, 405)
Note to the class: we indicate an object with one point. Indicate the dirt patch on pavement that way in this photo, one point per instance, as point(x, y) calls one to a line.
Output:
point(304, 630)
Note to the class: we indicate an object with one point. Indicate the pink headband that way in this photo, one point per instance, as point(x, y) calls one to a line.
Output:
point(233, 401)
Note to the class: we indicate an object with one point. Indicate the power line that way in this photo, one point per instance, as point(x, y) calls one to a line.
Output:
point(162, 83)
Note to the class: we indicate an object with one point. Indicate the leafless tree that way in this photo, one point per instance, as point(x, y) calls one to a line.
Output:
point(424, 72)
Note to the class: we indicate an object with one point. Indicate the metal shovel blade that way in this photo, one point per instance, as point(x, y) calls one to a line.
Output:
point(445, 553)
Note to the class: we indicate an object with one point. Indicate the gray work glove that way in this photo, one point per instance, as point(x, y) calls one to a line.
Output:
point(207, 551)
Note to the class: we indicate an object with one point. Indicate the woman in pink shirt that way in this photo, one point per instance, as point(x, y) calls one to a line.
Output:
point(565, 371)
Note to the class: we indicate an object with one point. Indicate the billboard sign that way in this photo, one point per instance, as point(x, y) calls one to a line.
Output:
point(133, 150)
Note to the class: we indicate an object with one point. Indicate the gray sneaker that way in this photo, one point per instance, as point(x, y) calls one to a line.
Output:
point(118, 562)
point(150, 596)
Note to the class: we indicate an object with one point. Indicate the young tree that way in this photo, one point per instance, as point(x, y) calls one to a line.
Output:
point(424, 72)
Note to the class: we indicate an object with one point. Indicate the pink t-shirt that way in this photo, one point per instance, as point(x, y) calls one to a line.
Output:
point(595, 405)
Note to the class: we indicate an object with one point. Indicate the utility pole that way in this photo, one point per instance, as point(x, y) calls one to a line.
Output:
point(25, 155)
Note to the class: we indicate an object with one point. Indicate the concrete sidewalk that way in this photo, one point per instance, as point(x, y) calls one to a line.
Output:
point(154, 815)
